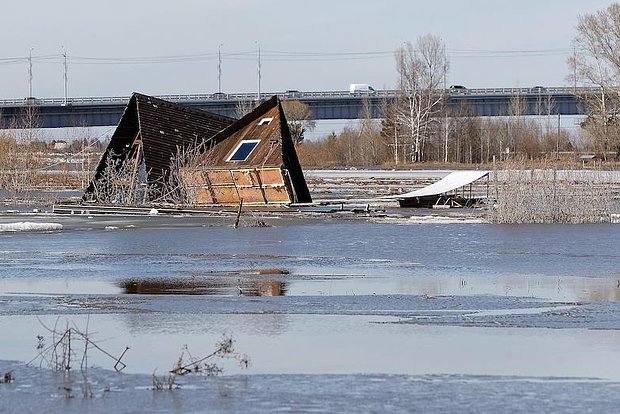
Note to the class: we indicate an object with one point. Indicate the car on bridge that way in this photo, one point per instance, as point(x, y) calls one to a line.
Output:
point(457, 89)
point(31, 100)
point(361, 88)
point(292, 93)
point(538, 89)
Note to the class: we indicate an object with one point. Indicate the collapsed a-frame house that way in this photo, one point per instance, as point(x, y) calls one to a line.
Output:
point(165, 152)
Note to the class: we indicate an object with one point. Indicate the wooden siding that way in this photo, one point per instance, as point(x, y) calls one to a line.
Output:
point(255, 186)
point(275, 151)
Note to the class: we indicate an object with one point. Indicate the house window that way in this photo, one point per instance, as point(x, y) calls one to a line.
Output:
point(243, 150)
point(265, 121)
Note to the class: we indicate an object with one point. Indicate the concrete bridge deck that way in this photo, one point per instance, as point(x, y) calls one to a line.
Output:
point(106, 111)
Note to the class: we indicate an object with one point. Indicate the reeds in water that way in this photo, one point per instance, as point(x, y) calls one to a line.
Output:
point(552, 196)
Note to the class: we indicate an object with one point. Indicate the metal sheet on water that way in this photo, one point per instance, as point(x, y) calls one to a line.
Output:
point(449, 183)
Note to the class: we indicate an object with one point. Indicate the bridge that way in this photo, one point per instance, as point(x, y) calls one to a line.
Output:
point(106, 111)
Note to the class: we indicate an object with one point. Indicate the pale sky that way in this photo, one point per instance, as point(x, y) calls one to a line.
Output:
point(170, 47)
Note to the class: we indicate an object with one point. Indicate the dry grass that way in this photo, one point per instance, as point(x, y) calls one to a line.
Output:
point(549, 196)
point(189, 364)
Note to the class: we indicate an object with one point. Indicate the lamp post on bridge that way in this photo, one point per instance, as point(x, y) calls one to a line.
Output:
point(30, 73)
point(219, 68)
point(66, 79)
point(259, 74)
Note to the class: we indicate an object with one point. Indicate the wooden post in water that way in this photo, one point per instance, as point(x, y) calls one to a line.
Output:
point(239, 213)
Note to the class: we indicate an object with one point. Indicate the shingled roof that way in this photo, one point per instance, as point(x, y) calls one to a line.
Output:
point(164, 128)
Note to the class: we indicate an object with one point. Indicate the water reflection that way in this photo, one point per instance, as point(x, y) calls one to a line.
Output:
point(305, 283)
point(205, 286)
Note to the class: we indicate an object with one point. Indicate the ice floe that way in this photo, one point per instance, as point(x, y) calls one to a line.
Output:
point(432, 219)
point(29, 226)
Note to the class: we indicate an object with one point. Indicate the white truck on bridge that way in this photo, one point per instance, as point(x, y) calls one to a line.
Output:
point(360, 88)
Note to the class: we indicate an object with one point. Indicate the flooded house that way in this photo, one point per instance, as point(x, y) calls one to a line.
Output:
point(166, 153)
point(136, 165)
point(253, 161)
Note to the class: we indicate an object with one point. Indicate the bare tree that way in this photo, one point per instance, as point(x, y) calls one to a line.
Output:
point(394, 135)
point(550, 196)
point(21, 163)
point(244, 107)
point(116, 184)
point(299, 117)
point(373, 147)
point(596, 63)
point(421, 73)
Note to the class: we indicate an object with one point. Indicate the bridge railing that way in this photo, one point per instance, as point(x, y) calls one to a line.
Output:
point(115, 100)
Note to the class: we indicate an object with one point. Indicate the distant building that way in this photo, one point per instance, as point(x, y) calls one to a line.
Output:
point(588, 159)
point(59, 145)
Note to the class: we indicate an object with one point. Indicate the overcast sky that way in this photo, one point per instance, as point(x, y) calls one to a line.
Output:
point(170, 47)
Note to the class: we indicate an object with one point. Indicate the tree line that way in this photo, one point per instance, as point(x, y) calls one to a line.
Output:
point(451, 139)
point(419, 127)
point(28, 161)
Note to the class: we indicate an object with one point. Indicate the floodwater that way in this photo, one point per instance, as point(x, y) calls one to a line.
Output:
point(334, 315)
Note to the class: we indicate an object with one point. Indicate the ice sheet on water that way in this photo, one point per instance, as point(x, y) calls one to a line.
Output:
point(26, 226)
point(432, 219)
point(40, 390)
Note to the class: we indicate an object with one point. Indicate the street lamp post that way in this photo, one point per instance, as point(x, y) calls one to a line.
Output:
point(66, 78)
point(219, 68)
point(30, 73)
point(445, 86)
point(259, 74)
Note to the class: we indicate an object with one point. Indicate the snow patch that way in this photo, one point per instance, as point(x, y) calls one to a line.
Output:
point(445, 220)
point(29, 226)
point(432, 219)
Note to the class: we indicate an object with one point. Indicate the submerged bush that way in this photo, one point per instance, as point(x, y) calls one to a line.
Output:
point(551, 196)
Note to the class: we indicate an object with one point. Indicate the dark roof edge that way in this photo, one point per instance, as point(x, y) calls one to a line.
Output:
point(103, 160)
point(132, 99)
point(260, 110)
point(290, 160)
point(179, 106)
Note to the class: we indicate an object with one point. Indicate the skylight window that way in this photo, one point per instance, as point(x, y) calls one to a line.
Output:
point(265, 121)
point(243, 150)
